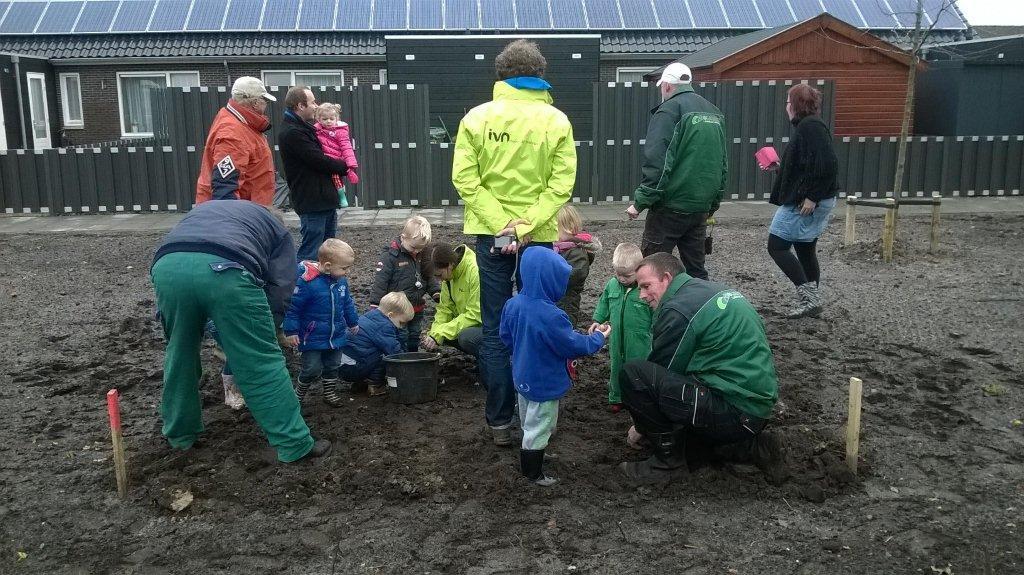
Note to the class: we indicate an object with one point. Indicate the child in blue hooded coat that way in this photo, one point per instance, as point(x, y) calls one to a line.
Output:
point(321, 317)
point(542, 341)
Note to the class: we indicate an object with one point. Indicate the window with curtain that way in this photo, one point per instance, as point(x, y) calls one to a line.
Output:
point(312, 78)
point(71, 98)
point(631, 74)
point(136, 104)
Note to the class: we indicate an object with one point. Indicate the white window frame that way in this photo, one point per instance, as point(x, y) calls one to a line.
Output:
point(65, 101)
point(144, 74)
point(263, 75)
point(633, 69)
point(383, 76)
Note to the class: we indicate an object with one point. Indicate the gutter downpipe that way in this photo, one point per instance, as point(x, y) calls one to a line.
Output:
point(21, 102)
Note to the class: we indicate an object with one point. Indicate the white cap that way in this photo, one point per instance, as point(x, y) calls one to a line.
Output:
point(249, 87)
point(676, 73)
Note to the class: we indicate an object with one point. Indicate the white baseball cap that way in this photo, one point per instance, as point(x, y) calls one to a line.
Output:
point(249, 87)
point(676, 73)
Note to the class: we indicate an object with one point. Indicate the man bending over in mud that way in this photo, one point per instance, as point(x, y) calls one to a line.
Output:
point(710, 377)
point(232, 262)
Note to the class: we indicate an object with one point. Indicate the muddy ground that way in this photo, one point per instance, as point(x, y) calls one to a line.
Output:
point(419, 489)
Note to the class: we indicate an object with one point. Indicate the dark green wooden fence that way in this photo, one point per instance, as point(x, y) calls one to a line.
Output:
point(400, 167)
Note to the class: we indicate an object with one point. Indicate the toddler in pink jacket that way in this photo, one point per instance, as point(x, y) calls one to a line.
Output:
point(337, 143)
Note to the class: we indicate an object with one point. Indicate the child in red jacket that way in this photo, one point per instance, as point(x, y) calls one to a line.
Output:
point(337, 143)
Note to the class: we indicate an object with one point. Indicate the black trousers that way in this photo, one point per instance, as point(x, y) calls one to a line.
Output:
point(665, 230)
point(664, 402)
point(800, 269)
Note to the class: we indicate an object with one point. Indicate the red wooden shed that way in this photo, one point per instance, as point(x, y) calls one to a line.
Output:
point(870, 74)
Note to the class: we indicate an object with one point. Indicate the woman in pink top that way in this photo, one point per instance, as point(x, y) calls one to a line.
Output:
point(337, 143)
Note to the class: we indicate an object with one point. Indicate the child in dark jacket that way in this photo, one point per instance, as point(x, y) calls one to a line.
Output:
point(364, 353)
point(321, 316)
point(542, 342)
point(400, 269)
point(578, 248)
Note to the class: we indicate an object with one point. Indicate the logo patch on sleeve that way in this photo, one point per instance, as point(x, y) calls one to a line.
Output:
point(226, 166)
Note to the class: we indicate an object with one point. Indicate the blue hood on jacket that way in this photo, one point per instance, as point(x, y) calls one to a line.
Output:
point(545, 274)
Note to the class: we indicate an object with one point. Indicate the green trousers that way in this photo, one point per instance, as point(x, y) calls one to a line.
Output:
point(188, 292)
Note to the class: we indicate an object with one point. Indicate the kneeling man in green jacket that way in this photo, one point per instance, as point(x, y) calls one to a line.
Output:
point(710, 377)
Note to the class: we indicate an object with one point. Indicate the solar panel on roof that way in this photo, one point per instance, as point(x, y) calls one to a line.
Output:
point(317, 14)
point(805, 9)
point(876, 14)
point(775, 12)
point(133, 16)
point(59, 17)
point(742, 14)
point(243, 15)
point(389, 15)
point(707, 14)
point(533, 14)
point(905, 11)
point(352, 15)
point(568, 15)
point(845, 11)
point(280, 15)
point(22, 17)
point(96, 16)
point(673, 14)
point(461, 15)
point(603, 14)
point(497, 14)
point(169, 16)
point(206, 15)
point(945, 13)
point(425, 15)
point(638, 15)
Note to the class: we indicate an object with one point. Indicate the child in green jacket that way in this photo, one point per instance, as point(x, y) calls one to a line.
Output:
point(630, 317)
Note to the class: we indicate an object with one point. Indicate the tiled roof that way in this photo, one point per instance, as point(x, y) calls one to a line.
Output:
point(677, 42)
point(277, 44)
point(185, 45)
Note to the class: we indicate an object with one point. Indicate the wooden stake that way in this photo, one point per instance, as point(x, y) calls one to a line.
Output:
point(933, 240)
point(889, 231)
point(120, 469)
point(853, 424)
point(851, 221)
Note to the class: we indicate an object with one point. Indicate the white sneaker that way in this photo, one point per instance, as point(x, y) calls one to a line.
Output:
point(232, 395)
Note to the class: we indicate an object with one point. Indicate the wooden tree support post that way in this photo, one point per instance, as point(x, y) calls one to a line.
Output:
point(933, 239)
point(120, 469)
point(889, 231)
point(853, 424)
point(851, 221)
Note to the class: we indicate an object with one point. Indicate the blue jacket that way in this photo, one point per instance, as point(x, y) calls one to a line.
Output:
point(245, 234)
point(377, 337)
point(539, 334)
point(322, 309)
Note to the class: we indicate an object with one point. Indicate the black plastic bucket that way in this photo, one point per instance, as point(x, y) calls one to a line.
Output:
point(412, 377)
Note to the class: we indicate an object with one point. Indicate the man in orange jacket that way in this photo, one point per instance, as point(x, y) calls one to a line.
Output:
point(237, 164)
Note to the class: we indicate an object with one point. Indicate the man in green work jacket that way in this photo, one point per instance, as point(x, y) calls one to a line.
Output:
point(514, 167)
point(710, 377)
point(683, 173)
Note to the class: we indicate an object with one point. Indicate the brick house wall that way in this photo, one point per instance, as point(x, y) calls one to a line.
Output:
point(101, 113)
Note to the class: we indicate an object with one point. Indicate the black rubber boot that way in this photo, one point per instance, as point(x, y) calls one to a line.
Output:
point(532, 463)
point(332, 395)
point(321, 448)
point(665, 464)
point(302, 388)
point(764, 450)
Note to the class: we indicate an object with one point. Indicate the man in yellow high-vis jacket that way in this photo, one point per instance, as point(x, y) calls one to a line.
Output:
point(514, 167)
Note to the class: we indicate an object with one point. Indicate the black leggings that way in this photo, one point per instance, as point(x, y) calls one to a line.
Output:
point(801, 268)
